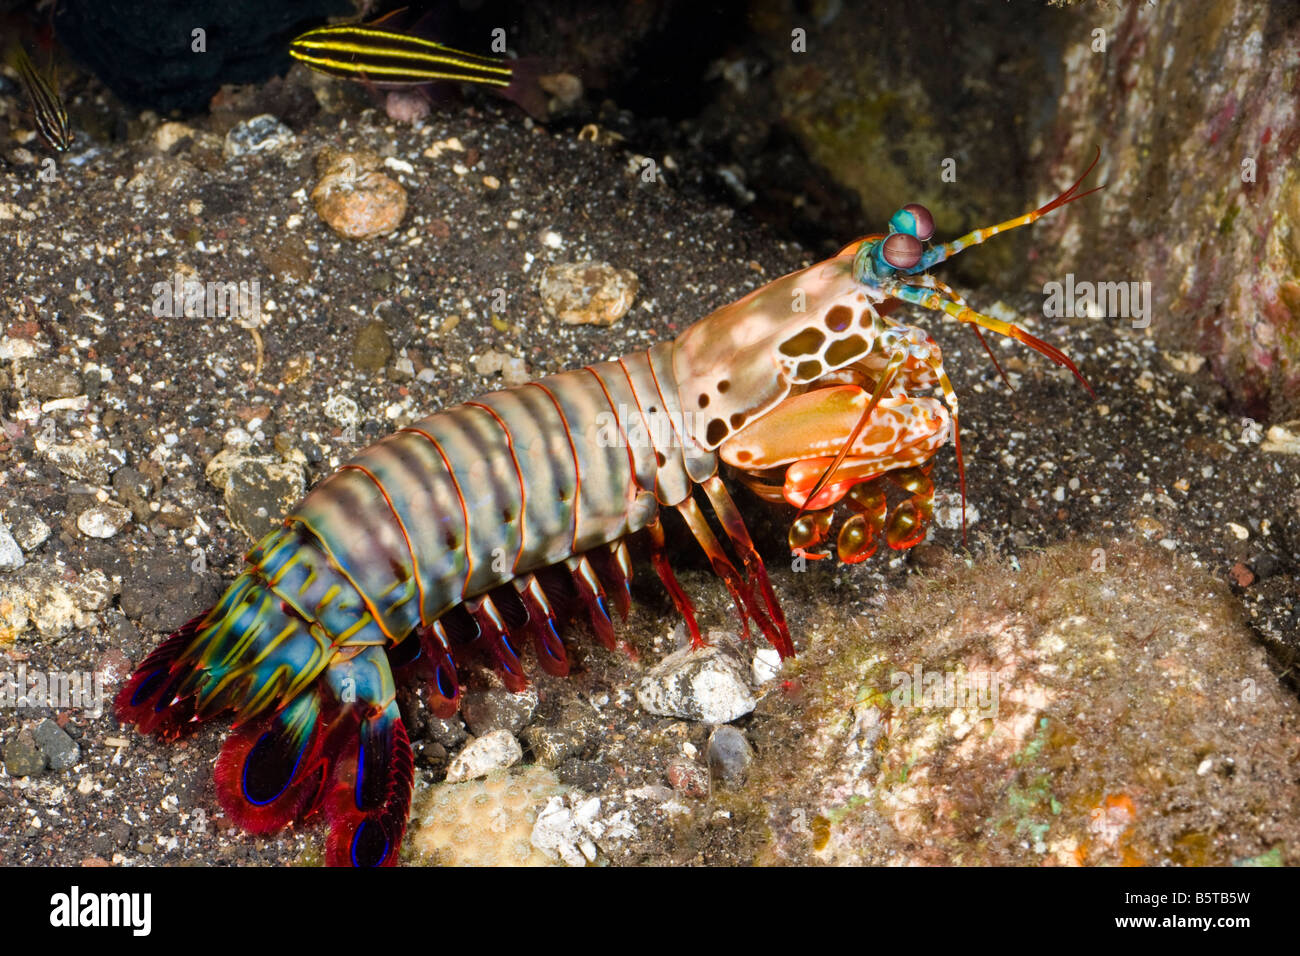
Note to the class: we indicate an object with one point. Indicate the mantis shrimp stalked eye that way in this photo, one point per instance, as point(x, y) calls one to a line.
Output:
point(900, 251)
point(888, 263)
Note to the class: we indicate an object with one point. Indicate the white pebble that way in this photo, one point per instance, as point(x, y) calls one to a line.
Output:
point(493, 751)
point(11, 556)
point(767, 664)
point(710, 684)
point(103, 521)
point(947, 511)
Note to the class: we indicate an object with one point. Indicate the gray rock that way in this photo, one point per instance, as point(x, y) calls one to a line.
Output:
point(729, 754)
point(565, 737)
point(134, 490)
point(163, 592)
point(53, 381)
point(495, 709)
point(84, 461)
point(60, 750)
point(92, 591)
point(403, 370)
point(258, 494)
point(38, 595)
point(449, 732)
point(261, 134)
point(494, 751)
point(28, 529)
point(551, 746)
point(584, 774)
point(514, 370)
point(22, 757)
point(103, 520)
point(711, 684)
point(92, 383)
point(429, 754)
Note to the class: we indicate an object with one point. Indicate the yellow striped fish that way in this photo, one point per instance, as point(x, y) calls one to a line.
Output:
point(51, 117)
point(368, 51)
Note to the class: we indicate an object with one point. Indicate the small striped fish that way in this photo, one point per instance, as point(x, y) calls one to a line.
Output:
point(51, 117)
point(367, 51)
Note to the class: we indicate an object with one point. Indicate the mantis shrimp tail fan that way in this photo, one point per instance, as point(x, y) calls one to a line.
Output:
point(317, 727)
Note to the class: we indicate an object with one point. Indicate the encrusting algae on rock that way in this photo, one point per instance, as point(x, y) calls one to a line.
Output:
point(1100, 706)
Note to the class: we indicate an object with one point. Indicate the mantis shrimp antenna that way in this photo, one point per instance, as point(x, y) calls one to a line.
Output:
point(936, 254)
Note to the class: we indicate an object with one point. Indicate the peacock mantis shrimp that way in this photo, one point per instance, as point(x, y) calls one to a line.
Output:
point(485, 525)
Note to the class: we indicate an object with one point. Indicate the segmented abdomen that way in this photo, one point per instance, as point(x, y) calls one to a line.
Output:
point(439, 514)
point(463, 501)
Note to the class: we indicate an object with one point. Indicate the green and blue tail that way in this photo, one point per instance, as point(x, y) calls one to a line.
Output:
point(317, 727)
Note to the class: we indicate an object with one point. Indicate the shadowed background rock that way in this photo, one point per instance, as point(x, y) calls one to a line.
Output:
point(1194, 106)
point(143, 50)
